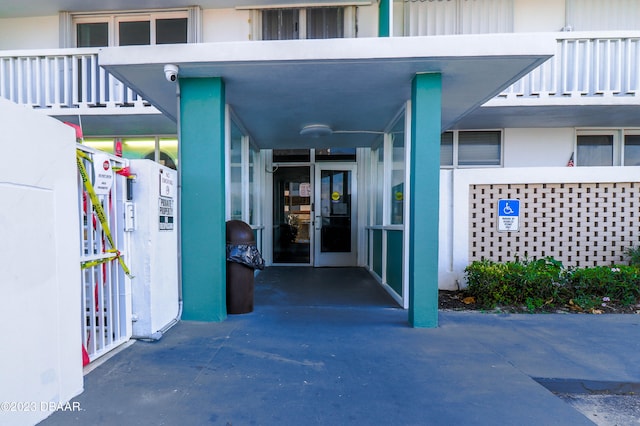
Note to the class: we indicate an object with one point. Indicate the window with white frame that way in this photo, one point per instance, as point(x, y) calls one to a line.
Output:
point(306, 23)
point(132, 29)
point(632, 149)
point(610, 147)
point(477, 148)
point(594, 150)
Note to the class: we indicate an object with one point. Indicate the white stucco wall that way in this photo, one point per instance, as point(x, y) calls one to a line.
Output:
point(538, 15)
point(538, 147)
point(368, 20)
point(454, 202)
point(29, 33)
point(39, 265)
point(225, 25)
point(153, 253)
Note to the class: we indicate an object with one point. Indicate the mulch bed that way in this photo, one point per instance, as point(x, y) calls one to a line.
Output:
point(461, 301)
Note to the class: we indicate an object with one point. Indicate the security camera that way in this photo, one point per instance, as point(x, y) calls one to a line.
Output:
point(171, 72)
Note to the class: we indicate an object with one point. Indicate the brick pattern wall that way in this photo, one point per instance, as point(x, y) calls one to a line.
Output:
point(580, 224)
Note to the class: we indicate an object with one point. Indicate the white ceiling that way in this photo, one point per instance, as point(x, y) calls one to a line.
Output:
point(351, 85)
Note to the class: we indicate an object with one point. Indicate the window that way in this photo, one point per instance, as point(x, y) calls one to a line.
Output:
point(397, 171)
point(310, 23)
point(325, 22)
point(632, 150)
point(131, 29)
point(471, 148)
point(163, 150)
point(280, 24)
point(595, 150)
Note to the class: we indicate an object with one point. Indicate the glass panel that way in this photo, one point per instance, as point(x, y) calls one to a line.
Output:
point(135, 33)
point(169, 152)
point(139, 148)
point(171, 31)
point(253, 160)
point(397, 173)
point(291, 155)
point(335, 211)
point(379, 185)
point(595, 150)
point(336, 154)
point(280, 24)
point(105, 145)
point(446, 149)
point(632, 150)
point(291, 215)
point(479, 149)
point(325, 22)
point(95, 34)
point(236, 172)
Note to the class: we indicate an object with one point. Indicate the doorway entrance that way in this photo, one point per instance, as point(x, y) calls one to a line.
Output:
point(314, 214)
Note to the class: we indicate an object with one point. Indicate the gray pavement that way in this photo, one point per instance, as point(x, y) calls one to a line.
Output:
point(329, 347)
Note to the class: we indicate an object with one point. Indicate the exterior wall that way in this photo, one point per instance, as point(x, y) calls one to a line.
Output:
point(538, 15)
point(39, 265)
point(585, 210)
point(538, 147)
point(367, 17)
point(29, 33)
point(225, 25)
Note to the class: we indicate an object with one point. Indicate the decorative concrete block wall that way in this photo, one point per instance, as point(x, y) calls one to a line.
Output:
point(581, 224)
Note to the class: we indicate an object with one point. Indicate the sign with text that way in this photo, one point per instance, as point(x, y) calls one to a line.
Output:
point(508, 215)
point(102, 174)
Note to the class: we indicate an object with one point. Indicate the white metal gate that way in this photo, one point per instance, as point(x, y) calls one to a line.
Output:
point(106, 295)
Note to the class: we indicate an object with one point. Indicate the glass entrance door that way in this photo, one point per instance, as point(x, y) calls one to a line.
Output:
point(292, 215)
point(335, 215)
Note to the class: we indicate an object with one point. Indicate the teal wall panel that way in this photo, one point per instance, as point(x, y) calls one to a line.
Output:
point(377, 251)
point(426, 95)
point(202, 112)
point(383, 18)
point(394, 260)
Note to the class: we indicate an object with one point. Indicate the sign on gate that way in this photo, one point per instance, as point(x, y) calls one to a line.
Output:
point(508, 215)
point(102, 174)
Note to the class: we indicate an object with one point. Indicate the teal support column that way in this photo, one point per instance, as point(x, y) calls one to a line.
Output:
point(426, 97)
point(202, 159)
point(384, 15)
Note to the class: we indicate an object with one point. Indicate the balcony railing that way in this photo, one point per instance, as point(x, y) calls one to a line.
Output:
point(62, 79)
point(584, 67)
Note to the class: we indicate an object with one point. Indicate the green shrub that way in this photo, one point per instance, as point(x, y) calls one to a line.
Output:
point(619, 283)
point(633, 253)
point(520, 282)
point(546, 283)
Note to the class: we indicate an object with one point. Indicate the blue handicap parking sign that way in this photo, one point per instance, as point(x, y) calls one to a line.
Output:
point(508, 207)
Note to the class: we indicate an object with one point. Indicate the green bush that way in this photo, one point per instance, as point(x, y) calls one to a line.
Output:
point(546, 283)
point(519, 282)
point(619, 283)
point(633, 253)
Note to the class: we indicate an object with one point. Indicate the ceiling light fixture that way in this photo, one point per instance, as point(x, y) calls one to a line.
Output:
point(316, 130)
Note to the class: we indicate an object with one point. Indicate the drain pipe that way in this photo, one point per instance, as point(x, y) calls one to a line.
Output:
point(154, 337)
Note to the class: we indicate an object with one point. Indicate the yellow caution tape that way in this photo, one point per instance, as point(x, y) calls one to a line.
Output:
point(97, 206)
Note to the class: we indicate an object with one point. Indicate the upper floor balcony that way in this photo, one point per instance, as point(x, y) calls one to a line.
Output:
point(597, 75)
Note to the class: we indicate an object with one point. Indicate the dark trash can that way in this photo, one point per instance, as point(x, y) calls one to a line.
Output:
point(242, 258)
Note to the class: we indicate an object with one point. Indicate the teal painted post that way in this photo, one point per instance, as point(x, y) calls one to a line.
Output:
point(384, 15)
point(202, 159)
point(426, 97)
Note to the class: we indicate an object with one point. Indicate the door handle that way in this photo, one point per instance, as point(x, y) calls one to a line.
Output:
point(318, 223)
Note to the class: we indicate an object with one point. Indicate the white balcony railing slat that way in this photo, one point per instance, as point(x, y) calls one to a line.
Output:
point(61, 79)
